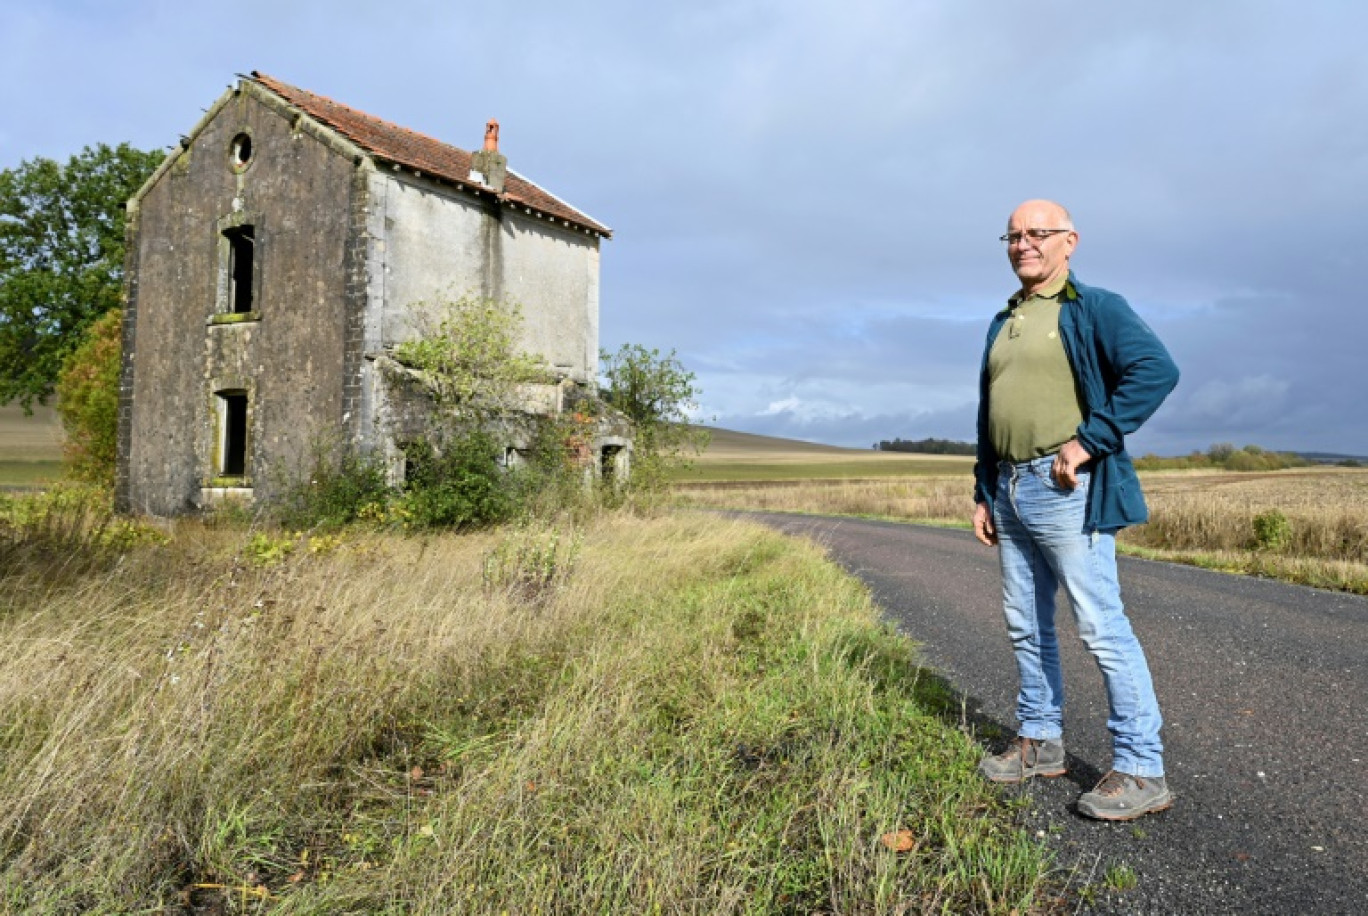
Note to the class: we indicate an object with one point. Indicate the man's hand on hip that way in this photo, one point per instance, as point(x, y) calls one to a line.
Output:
point(984, 529)
point(1066, 464)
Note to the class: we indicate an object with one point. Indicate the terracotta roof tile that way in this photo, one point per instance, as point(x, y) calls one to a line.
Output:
point(395, 144)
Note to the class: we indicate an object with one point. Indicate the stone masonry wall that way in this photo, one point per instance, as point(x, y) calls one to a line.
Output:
point(287, 354)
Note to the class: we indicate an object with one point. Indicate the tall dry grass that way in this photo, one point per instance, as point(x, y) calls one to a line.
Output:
point(668, 715)
point(1206, 518)
point(1326, 510)
point(1303, 526)
point(167, 714)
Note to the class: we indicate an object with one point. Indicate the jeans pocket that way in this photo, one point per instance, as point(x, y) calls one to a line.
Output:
point(1082, 475)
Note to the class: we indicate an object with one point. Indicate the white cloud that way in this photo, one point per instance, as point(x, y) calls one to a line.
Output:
point(787, 405)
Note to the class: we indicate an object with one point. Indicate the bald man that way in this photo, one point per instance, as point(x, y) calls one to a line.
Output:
point(1068, 371)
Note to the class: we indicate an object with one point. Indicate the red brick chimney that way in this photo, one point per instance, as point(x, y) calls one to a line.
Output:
point(489, 166)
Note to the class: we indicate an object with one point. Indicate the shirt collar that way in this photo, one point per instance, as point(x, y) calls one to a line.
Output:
point(1051, 291)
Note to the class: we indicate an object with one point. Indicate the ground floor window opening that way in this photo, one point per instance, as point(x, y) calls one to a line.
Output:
point(233, 441)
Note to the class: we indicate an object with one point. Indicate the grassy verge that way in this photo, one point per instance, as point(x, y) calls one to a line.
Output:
point(668, 715)
point(1335, 575)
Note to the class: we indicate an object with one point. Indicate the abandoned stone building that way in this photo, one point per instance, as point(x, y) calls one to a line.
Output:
point(274, 260)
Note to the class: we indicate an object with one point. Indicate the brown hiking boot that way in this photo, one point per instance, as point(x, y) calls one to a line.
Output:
point(1121, 797)
point(1024, 759)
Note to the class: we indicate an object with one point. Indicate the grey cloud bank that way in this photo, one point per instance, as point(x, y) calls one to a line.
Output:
point(806, 196)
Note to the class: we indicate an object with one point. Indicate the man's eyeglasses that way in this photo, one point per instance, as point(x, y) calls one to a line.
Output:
point(1030, 235)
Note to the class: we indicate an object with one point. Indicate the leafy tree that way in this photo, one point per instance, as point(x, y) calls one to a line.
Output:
point(88, 400)
point(467, 359)
point(61, 258)
point(657, 394)
point(467, 353)
point(1220, 452)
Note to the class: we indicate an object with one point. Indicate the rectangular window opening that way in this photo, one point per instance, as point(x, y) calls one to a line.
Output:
point(233, 453)
point(241, 258)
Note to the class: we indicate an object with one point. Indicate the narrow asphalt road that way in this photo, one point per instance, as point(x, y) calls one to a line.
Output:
point(1264, 691)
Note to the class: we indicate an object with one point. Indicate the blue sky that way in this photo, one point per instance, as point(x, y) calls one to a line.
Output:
point(807, 195)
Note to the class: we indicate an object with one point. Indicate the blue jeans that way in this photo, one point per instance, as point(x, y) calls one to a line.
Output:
point(1042, 545)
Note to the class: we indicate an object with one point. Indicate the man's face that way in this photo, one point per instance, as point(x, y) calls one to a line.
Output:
point(1037, 262)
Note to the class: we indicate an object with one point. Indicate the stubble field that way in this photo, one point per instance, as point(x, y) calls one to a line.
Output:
point(1306, 525)
point(734, 457)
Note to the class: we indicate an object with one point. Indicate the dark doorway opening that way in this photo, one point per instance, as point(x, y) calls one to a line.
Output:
point(608, 461)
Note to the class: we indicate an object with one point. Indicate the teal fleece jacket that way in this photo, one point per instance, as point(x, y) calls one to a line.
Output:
point(1123, 374)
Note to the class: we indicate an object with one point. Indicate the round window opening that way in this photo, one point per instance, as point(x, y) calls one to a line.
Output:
point(242, 150)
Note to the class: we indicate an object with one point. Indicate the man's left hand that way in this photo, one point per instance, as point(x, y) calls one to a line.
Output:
point(1065, 468)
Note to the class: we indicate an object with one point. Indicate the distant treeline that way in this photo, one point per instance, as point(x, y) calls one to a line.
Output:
point(1226, 456)
point(926, 446)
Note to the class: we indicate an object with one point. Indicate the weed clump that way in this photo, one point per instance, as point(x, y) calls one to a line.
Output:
point(462, 486)
point(531, 564)
point(335, 490)
point(74, 524)
point(1272, 530)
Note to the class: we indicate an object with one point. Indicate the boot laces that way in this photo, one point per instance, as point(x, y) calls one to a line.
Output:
point(1114, 783)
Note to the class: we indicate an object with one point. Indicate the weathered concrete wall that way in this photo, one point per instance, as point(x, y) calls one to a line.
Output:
point(554, 273)
point(297, 191)
point(433, 241)
point(430, 241)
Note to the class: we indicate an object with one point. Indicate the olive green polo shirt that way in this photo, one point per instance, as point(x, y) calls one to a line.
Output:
point(1033, 405)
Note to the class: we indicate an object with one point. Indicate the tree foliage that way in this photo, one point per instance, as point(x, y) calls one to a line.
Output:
point(88, 400)
point(930, 446)
point(467, 352)
point(61, 258)
point(658, 395)
point(1227, 457)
